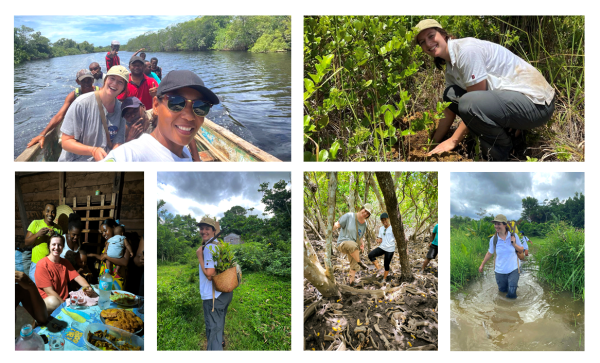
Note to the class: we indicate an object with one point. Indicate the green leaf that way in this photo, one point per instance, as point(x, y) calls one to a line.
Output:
point(334, 149)
point(389, 118)
point(323, 155)
point(309, 85)
point(322, 121)
point(308, 156)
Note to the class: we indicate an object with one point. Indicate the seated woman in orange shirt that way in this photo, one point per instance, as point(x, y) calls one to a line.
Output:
point(53, 273)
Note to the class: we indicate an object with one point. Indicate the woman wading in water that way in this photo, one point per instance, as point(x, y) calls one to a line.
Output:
point(506, 265)
point(490, 88)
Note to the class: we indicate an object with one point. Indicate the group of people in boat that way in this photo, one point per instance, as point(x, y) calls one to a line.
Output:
point(132, 114)
point(51, 264)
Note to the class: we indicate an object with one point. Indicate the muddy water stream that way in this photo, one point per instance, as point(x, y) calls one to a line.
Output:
point(482, 318)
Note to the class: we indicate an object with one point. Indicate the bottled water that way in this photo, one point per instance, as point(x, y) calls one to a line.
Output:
point(105, 285)
point(29, 340)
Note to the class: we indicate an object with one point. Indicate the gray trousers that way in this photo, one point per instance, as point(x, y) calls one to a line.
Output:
point(508, 283)
point(488, 113)
point(215, 320)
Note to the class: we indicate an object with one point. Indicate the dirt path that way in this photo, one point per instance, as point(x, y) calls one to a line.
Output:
point(383, 315)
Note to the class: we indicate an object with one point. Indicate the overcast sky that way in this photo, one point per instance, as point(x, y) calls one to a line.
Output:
point(502, 193)
point(201, 193)
point(99, 29)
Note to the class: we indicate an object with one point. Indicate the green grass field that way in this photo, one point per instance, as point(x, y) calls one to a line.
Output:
point(259, 316)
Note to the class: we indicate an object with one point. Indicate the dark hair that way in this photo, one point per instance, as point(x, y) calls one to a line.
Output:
point(154, 58)
point(74, 222)
point(49, 203)
point(57, 235)
point(142, 53)
point(439, 62)
point(110, 222)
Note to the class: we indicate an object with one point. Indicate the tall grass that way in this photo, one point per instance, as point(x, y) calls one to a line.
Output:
point(467, 250)
point(561, 260)
point(258, 318)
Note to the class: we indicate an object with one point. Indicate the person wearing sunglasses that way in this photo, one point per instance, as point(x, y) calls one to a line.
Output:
point(181, 102)
point(387, 246)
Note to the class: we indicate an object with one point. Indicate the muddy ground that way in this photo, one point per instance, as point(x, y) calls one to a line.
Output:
point(415, 147)
point(380, 315)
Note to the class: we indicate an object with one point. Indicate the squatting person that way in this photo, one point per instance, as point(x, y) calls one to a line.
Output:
point(353, 227)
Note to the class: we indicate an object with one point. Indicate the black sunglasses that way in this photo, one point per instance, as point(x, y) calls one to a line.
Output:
point(176, 103)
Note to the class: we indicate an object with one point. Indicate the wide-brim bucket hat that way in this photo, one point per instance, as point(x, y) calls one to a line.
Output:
point(62, 216)
point(211, 222)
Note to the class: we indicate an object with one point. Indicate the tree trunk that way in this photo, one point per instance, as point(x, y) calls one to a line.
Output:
point(351, 198)
point(377, 194)
point(332, 188)
point(308, 223)
point(368, 235)
point(357, 188)
point(311, 187)
point(316, 274)
point(387, 188)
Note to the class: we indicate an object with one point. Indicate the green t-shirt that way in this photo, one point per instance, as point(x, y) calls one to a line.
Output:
point(41, 250)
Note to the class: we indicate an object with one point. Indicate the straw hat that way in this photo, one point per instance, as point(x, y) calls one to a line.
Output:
point(62, 216)
point(211, 222)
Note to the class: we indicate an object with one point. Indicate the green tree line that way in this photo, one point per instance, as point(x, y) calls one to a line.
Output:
point(32, 45)
point(537, 219)
point(250, 33)
point(267, 241)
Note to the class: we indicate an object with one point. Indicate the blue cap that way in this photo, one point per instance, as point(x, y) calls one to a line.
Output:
point(130, 102)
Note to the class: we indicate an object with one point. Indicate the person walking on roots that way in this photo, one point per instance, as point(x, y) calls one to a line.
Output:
point(387, 246)
point(433, 248)
point(353, 227)
point(214, 303)
point(490, 88)
point(505, 245)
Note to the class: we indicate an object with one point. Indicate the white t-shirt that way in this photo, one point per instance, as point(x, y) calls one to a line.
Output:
point(145, 148)
point(473, 60)
point(205, 284)
point(506, 259)
point(388, 242)
point(66, 248)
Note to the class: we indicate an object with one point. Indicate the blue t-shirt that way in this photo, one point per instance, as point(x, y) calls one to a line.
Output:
point(153, 75)
point(436, 234)
point(524, 241)
point(507, 260)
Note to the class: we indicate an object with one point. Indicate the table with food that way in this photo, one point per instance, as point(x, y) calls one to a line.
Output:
point(80, 324)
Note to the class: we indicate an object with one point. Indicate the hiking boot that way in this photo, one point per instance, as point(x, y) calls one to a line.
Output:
point(352, 284)
point(388, 278)
point(362, 265)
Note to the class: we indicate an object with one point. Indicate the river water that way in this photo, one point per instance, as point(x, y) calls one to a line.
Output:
point(255, 91)
point(483, 319)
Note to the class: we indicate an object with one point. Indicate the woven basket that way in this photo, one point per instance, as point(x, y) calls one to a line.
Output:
point(226, 281)
point(62, 216)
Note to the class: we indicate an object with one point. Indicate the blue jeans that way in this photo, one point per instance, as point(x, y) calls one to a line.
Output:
point(22, 261)
point(32, 271)
point(508, 283)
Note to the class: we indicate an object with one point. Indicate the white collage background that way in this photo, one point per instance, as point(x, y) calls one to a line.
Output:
point(298, 9)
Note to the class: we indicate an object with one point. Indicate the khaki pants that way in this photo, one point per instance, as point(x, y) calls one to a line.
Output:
point(349, 247)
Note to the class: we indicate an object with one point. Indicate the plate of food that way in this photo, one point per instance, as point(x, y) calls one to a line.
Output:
point(123, 298)
point(122, 319)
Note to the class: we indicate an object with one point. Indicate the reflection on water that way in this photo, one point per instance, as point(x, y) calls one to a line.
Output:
point(482, 318)
point(255, 90)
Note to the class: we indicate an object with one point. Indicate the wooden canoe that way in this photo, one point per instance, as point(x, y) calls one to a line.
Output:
point(215, 143)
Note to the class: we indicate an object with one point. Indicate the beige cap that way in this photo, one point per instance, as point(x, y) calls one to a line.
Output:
point(368, 207)
point(119, 71)
point(425, 24)
point(211, 222)
point(500, 218)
